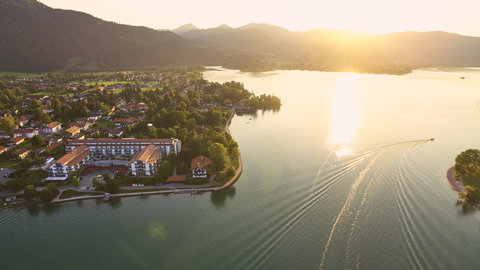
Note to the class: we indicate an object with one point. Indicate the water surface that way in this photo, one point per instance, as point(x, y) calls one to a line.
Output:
point(342, 177)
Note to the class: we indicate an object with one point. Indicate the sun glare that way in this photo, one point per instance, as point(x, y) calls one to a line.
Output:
point(345, 117)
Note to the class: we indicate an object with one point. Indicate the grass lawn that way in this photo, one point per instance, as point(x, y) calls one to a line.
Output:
point(10, 163)
point(105, 124)
point(20, 74)
point(69, 193)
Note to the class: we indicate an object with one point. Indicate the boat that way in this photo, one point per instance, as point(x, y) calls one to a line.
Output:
point(106, 197)
point(432, 139)
point(462, 78)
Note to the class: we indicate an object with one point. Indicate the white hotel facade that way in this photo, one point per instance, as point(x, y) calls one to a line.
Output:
point(126, 147)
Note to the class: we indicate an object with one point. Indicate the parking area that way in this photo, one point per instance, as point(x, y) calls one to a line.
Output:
point(4, 173)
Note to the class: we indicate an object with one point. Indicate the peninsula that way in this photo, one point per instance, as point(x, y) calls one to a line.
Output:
point(88, 135)
point(464, 176)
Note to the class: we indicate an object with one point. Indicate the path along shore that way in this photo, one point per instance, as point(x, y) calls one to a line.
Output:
point(456, 184)
point(230, 183)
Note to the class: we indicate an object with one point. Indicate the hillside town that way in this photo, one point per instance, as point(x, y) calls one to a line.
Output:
point(105, 132)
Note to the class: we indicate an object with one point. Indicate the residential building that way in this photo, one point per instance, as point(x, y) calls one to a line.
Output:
point(145, 162)
point(126, 146)
point(53, 128)
point(72, 131)
point(24, 119)
point(16, 140)
point(199, 166)
point(115, 132)
point(124, 121)
point(3, 149)
point(21, 153)
point(61, 169)
point(26, 132)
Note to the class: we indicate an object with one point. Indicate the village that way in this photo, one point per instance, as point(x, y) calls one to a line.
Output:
point(67, 135)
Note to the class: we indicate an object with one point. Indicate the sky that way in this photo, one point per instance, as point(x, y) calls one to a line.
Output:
point(371, 16)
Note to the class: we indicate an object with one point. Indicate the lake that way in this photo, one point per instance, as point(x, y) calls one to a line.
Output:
point(344, 176)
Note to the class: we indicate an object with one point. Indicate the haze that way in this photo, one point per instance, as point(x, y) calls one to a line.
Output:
point(372, 16)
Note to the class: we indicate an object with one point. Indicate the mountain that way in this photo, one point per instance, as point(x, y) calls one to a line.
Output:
point(334, 50)
point(185, 28)
point(34, 37)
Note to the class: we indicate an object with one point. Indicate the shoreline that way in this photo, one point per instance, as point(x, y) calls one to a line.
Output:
point(457, 185)
point(192, 190)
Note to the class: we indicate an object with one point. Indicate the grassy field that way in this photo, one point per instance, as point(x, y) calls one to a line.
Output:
point(19, 74)
point(11, 163)
point(69, 193)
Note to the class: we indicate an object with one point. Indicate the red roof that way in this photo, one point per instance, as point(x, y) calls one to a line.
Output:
point(202, 162)
point(178, 178)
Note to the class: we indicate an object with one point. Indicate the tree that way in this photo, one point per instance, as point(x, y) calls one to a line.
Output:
point(7, 123)
point(164, 170)
point(468, 162)
point(46, 195)
point(75, 181)
point(469, 194)
point(182, 168)
point(111, 185)
point(230, 172)
point(218, 154)
point(38, 140)
point(30, 192)
point(53, 188)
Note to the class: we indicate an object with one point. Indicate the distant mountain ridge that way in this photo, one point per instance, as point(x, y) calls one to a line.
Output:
point(35, 37)
point(324, 49)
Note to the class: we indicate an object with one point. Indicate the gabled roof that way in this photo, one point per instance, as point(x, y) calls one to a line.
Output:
point(75, 156)
point(24, 130)
point(200, 162)
point(53, 125)
point(148, 155)
point(73, 130)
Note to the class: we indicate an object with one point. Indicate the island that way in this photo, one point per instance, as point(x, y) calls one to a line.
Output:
point(70, 136)
point(464, 176)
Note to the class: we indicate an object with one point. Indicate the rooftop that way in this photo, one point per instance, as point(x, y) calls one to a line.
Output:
point(148, 155)
point(75, 156)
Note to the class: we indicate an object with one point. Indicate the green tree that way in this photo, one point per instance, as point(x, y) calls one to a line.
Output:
point(218, 154)
point(182, 168)
point(30, 192)
point(53, 188)
point(75, 181)
point(46, 195)
point(230, 172)
point(469, 194)
point(468, 162)
point(38, 140)
point(164, 170)
point(7, 123)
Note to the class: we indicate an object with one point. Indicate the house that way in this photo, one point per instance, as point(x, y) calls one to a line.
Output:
point(40, 98)
point(72, 131)
point(124, 121)
point(53, 127)
point(26, 132)
point(94, 117)
point(83, 124)
point(199, 166)
point(3, 149)
point(146, 162)
point(52, 146)
point(24, 119)
point(62, 168)
point(47, 109)
point(21, 153)
point(115, 132)
point(16, 140)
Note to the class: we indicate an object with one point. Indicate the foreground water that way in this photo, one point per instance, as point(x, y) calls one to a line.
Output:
point(342, 177)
